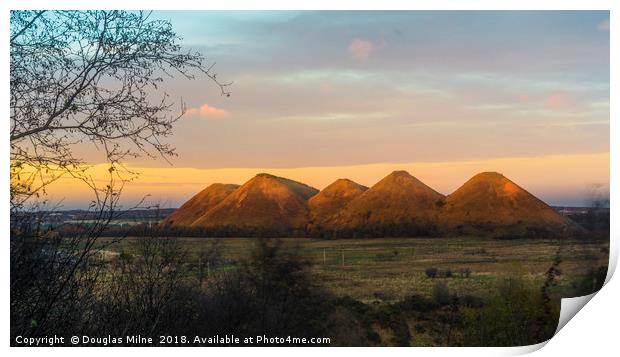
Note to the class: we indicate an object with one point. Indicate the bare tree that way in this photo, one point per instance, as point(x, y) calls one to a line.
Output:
point(145, 282)
point(53, 276)
point(81, 77)
point(91, 76)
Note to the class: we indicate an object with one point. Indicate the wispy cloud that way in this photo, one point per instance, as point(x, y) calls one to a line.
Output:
point(207, 111)
point(494, 106)
point(372, 86)
point(332, 117)
point(604, 25)
point(360, 50)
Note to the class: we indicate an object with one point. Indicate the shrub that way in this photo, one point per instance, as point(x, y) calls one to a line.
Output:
point(382, 295)
point(441, 294)
point(431, 272)
point(416, 303)
point(593, 281)
point(387, 257)
point(516, 316)
point(389, 316)
point(273, 293)
point(419, 328)
point(471, 301)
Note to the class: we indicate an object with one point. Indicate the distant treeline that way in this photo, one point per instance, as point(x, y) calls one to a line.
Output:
point(595, 223)
point(145, 229)
point(596, 220)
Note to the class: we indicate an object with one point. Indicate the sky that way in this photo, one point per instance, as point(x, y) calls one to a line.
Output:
point(443, 94)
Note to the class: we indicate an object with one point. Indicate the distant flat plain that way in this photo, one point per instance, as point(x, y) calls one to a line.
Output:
point(388, 269)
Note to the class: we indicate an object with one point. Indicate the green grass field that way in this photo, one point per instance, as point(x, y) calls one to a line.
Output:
point(389, 269)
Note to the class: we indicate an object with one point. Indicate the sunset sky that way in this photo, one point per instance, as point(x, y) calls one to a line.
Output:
point(323, 95)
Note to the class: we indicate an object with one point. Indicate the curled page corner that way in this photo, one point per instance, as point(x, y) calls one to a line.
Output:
point(524, 350)
point(571, 306)
point(568, 309)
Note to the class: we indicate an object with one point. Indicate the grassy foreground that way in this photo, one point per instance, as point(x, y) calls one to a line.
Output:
point(389, 269)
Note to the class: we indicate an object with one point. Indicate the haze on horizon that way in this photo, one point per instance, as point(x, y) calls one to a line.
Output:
point(443, 94)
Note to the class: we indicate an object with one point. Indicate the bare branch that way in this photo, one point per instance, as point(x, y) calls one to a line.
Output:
point(94, 76)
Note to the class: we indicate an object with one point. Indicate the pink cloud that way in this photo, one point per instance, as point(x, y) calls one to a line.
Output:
point(556, 101)
point(604, 25)
point(208, 111)
point(360, 50)
point(523, 97)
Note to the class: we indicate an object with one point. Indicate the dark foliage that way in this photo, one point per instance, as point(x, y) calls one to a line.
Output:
point(518, 315)
point(592, 282)
point(271, 293)
point(433, 273)
point(157, 290)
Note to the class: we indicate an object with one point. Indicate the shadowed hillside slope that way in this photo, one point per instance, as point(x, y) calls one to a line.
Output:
point(332, 199)
point(399, 200)
point(491, 202)
point(266, 202)
point(199, 204)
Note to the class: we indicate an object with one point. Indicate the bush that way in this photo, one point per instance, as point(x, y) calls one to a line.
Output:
point(471, 301)
point(389, 316)
point(387, 257)
point(272, 293)
point(431, 272)
point(53, 277)
point(146, 291)
point(593, 281)
point(441, 294)
point(382, 295)
point(416, 303)
point(517, 315)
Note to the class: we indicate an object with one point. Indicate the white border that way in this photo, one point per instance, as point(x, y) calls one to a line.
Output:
point(593, 330)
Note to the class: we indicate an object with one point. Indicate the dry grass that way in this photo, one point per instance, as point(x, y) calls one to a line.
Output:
point(388, 269)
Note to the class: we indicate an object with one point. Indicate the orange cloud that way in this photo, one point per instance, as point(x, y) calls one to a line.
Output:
point(604, 25)
point(556, 101)
point(361, 49)
point(206, 110)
